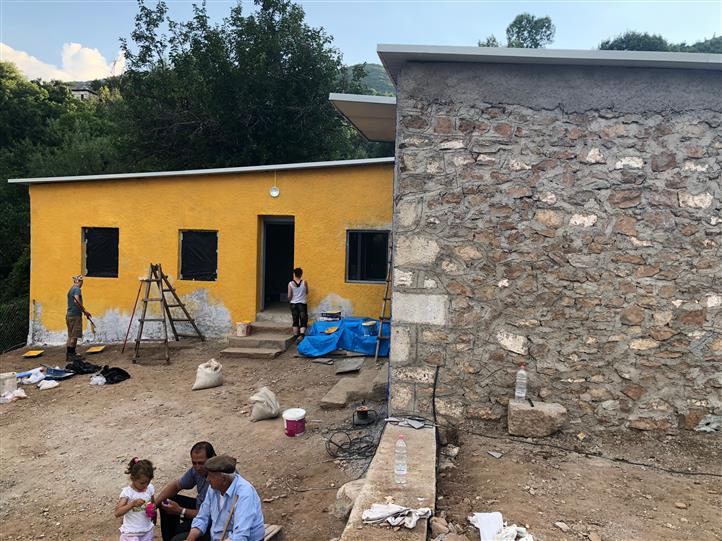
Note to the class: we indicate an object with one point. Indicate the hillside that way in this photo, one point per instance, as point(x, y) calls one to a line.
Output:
point(377, 80)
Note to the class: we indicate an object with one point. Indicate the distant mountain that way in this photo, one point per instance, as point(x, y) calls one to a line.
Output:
point(377, 80)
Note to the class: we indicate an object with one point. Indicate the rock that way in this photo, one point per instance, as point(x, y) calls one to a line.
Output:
point(626, 225)
point(583, 220)
point(700, 201)
point(625, 199)
point(643, 344)
point(455, 537)
point(549, 218)
point(543, 419)
point(346, 497)
point(633, 315)
point(663, 162)
point(594, 536)
point(634, 391)
point(513, 342)
point(438, 526)
point(680, 505)
point(562, 526)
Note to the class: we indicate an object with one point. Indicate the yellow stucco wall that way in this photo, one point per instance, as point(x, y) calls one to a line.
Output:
point(324, 202)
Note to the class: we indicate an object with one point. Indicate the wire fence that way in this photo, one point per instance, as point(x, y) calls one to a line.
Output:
point(14, 320)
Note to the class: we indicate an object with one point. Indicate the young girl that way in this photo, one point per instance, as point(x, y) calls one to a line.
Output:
point(298, 297)
point(134, 500)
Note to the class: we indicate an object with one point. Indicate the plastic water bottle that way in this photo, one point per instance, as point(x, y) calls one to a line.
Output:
point(400, 463)
point(521, 379)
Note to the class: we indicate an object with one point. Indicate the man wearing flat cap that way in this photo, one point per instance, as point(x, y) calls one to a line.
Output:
point(231, 506)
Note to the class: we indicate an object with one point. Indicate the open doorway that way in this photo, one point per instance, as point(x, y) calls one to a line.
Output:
point(277, 261)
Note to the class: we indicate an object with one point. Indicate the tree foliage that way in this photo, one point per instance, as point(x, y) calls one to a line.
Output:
point(250, 90)
point(642, 41)
point(525, 31)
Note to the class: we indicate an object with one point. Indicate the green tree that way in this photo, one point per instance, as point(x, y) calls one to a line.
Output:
point(636, 41)
point(250, 90)
point(525, 31)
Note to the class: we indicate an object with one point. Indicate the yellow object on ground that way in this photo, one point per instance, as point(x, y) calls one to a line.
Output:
point(34, 353)
point(331, 330)
point(95, 349)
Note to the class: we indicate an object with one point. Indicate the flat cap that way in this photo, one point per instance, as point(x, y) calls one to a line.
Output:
point(221, 464)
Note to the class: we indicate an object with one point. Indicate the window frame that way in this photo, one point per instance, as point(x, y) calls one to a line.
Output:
point(84, 245)
point(180, 254)
point(348, 255)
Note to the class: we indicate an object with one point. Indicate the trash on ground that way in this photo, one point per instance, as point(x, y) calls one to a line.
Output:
point(57, 373)
point(208, 375)
point(114, 374)
point(396, 515)
point(97, 379)
point(12, 396)
point(82, 367)
point(709, 424)
point(47, 384)
point(95, 349)
point(33, 353)
point(265, 405)
point(495, 454)
point(562, 526)
point(488, 524)
point(36, 375)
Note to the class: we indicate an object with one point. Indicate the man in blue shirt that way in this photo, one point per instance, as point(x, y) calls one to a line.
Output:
point(176, 511)
point(231, 495)
point(74, 318)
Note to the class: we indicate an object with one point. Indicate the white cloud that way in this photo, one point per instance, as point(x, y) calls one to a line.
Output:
point(78, 64)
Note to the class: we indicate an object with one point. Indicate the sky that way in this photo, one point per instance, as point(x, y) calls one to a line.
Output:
point(79, 39)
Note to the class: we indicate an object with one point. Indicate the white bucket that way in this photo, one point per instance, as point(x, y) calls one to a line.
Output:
point(294, 422)
point(8, 382)
point(243, 328)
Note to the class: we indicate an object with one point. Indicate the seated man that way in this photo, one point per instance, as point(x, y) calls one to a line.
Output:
point(176, 515)
point(231, 510)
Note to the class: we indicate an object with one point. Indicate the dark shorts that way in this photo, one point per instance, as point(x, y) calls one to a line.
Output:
point(75, 326)
point(299, 312)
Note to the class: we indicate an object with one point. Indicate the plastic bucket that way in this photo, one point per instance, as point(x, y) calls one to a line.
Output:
point(9, 382)
point(294, 422)
point(243, 328)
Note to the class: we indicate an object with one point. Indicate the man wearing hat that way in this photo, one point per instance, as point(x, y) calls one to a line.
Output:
point(231, 506)
point(74, 318)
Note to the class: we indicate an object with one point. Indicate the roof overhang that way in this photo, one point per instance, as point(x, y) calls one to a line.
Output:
point(219, 171)
point(393, 57)
point(373, 116)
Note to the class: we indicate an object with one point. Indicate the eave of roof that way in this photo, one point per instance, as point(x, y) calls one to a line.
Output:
point(196, 172)
point(373, 116)
point(393, 57)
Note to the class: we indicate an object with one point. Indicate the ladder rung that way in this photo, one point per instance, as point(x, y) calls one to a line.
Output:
point(151, 319)
point(174, 305)
point(188, 335)
point(152, 340)
point(175, 320)
point(153, 299)
point(168, 290)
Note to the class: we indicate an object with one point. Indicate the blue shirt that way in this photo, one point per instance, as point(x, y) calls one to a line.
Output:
point(247, 524)
point(73, 309)
point(191, 479)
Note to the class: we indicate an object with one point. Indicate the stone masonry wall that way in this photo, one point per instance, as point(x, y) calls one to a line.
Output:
point(566, 217)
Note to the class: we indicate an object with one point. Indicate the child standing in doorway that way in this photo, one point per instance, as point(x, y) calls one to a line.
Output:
point(298, 297)
point(134, 503)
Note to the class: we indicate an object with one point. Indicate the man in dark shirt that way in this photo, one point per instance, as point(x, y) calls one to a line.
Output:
point(74, 318)
point(176, 511)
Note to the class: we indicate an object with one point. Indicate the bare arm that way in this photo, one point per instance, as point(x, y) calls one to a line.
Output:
point(170, 490)
point(123, 505)
point(194, 534)
point(79, 303)
point(289, 293)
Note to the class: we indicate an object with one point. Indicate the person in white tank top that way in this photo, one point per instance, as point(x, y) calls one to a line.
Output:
point(298, 298)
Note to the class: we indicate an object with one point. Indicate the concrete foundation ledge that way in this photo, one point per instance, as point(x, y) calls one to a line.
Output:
point(419, 491)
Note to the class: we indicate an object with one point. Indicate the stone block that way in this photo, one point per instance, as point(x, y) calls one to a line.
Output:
point(400, 345)
point(415, 251)
point(513, 342)
point(346, 497)
point(420, 308)
point(542, 419)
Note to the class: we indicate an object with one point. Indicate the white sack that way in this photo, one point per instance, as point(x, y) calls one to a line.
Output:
point(265, 405)
point(208, 375)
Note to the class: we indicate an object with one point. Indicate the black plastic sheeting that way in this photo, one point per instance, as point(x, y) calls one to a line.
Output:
point(101, 251)
point(199, 255)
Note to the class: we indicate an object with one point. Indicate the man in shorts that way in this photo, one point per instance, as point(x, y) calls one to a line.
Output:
point(74, 318)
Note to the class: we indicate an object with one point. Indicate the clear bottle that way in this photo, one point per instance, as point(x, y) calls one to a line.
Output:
point(521, 381)
point(400, 461)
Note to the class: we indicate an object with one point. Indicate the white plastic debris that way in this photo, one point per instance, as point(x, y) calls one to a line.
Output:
point(488, 524)
point(36, 375)
point(12, 396)
point(47, 384)
point(97, 379)
point(710, 423)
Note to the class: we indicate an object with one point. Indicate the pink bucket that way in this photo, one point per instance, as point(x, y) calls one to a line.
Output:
point(294, 422)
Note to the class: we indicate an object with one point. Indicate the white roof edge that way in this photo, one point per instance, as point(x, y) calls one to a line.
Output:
point(393, 56)
point(217, 171)
point(362, 98)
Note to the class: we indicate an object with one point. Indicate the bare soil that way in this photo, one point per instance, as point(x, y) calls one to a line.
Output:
point(536, 486)
point(64, 450)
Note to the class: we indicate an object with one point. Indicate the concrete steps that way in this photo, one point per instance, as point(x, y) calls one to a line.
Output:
point(264, 340)
point(251, 353)
point(265, 327)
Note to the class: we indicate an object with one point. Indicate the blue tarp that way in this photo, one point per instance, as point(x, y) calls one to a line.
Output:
point(349, 336)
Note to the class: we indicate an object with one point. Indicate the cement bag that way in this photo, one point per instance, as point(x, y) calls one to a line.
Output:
point(209, 374)
point(265, 405)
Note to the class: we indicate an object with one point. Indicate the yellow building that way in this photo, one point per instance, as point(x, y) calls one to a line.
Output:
point(228, 238)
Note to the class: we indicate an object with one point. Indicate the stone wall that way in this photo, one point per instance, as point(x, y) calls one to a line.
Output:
point(568, 217)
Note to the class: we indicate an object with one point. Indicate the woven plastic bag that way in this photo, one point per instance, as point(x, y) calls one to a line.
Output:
point(265, 405)
point(208, 375)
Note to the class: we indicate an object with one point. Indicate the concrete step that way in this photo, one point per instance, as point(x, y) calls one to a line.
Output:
point(272, 327)
point(265, 340)
point(251, 353)
point(276, 316)
point(370, 384)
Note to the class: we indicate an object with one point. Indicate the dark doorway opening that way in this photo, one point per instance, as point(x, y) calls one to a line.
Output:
point(278, 234)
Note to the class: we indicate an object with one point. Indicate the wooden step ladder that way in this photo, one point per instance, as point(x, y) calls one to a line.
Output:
point(166, 317)
point(386, 305)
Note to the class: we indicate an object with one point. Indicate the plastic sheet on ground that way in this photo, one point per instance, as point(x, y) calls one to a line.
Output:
point(349, 336)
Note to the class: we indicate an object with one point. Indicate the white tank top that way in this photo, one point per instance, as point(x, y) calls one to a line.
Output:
point(298, 292)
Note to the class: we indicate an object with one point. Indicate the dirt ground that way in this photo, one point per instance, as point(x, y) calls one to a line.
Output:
point(63, 453)
point(536, 486)
point(64, 450)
